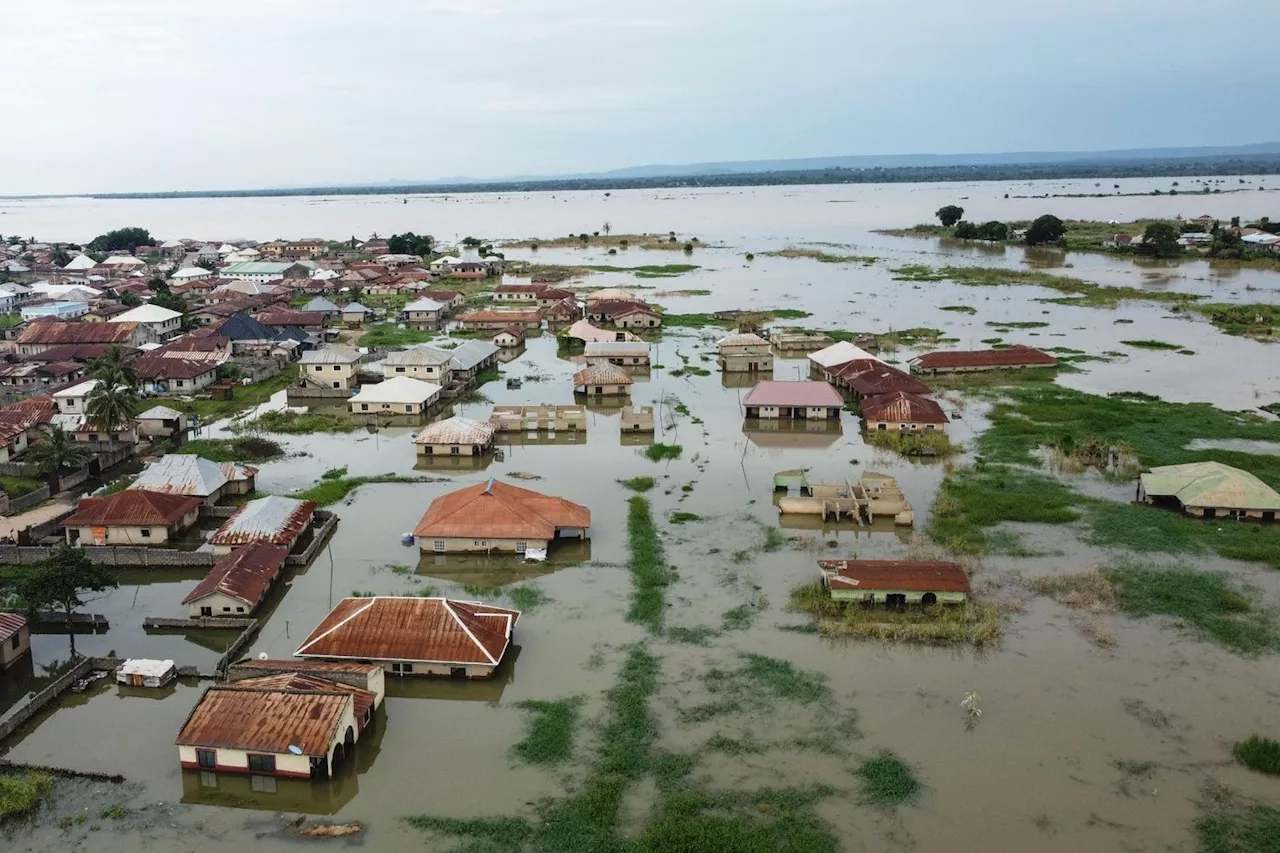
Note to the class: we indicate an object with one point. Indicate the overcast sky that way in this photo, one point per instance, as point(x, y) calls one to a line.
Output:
point(133, 95)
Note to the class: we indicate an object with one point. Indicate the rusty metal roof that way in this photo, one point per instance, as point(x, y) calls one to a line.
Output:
point(1018, 354)
point(793, 393)
point(244, 574)
point(155, 366)
point(901, 407)
point(914, 575)
point(496, 510)
point(883, 380)
point(456, 430)
point(132, 508)
point(305, 683)
point(273, 519)
point(306, 666)
point(10, 624)
point(428, 630)
point(77, 333)
point(500, 317)
point(227, 717)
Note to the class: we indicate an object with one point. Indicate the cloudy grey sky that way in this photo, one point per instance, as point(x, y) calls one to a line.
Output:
point(121, 95)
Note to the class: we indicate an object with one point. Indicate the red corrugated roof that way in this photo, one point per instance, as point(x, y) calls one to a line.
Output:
point(305, 683)
point(245, 574)
point(77, 333)
point(496, 510)
point(274, 519)
point(801, 393)
point(914, 575)
point(884, 380)
point(227, 717)
point(132, 508)
point(901, 407)
point(1018, 354)
point(500, 317)
point(158, 366)
point(10, 624)
point(435, 630)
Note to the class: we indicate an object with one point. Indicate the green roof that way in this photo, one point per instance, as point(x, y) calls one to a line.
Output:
point(1210, 484)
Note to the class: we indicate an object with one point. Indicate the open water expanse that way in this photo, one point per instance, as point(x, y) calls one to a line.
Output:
point(1038, 772)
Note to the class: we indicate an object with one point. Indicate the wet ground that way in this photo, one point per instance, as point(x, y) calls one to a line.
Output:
point(1037, 772)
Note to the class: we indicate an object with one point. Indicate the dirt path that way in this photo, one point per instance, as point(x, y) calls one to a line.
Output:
point(10, 525)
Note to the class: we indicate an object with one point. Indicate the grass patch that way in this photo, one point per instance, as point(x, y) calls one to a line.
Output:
point(974, 623)
point(548, 740)
point(916, 272)
point(16, 487)
point(328, 492)
point(1151, 344)
point(1232, 826)
point(660, 452)
point(639, 484)
point(760, 676)
point(646, 270)
point(1076, 291)
point(20, 795)
point(684, 517)
point(887, 781)
point(1021, 324)
point(972, 500)
point(116, 486)
point(960, 309)
point(240, 449)
point(912, 444)
point(389, 335)
point(527, 597)
point(1256, 319)
point(734, 746)
point(1259, 753)
point(1209, 603)
point(820, 256)
point(295, 423)
point(649, 573)
point(700, 636)
point(739, 618)
point(246, 396)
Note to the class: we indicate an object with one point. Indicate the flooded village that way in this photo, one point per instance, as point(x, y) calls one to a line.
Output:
point(793, 527)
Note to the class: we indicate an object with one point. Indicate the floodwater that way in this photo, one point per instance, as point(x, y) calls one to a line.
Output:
point(1037, 772)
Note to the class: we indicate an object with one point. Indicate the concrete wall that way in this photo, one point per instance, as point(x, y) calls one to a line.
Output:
point(425, 372)
point(813, 413)
point(111, 556)
point(237, 761)
point(324, 375)
point(44, 697)
point(222, 605)
point(604, 390)
point(28, 500)
point(902, 426)
point(132, 535)
point(447, 449)
point(15, 647)
point(879, 596)
point(400, 408)
point(463, 546)
point(736, 362)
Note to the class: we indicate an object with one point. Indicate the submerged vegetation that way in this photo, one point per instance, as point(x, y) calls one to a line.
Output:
point(1075, 291)
point(331, 490)
point(1259, 753)
point(649, 573)
point(639, 484)
point(820, 256)
point(20, 795)
point(549, 738)
point(240, 449)
point(1232, 825)
point(390, 335)
point(293, 422)
point(971, 501)
point(662, 452)
point(975, 623)
point(913, 444)
point(887, 781)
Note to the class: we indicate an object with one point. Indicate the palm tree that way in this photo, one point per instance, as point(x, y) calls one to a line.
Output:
point(111, 408)
point(58, 449)
point(606, 228)
point(114, 368)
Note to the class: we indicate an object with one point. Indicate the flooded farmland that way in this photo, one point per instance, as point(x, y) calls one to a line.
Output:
point(1049, 765)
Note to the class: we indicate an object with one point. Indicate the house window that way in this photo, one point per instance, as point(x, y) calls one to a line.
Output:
point(319, 367)
point(180, 383)
point(364, 407)
point(454, 450)
point(402, 668)
point(479, 542)
point(408, 408)
point(399, 370)
point(263, 784)
point(208, 780)
point(207, 758)
point(336, 368)
point(521, 547)
point(437, 546)
point(239, 609)
point(14, 642)
point(146, 532)
point(226, 610)
point(262, 763)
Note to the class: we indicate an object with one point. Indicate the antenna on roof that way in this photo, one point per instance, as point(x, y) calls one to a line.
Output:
point(488, 489)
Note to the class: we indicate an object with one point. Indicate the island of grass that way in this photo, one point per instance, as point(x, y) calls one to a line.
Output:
point(668, 242)
point(247, 448)
point(1075, 291)
point(973, 623)
point(290, 422)
point(820, 256)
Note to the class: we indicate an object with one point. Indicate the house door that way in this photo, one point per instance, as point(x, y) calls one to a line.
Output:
point(458, 672)
point(206, 611)
point(1209, 512)
point(599, 390)
point(753, 366)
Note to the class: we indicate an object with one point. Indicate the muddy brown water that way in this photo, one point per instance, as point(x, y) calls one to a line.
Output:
point(1036, 773)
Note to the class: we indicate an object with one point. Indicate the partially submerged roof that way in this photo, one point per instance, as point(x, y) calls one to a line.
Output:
point(883, 380)
point(398, 389)
point(901, 407)
point(132, 508)
point(303, 682)
point(801, 392)
point(273, 519)
point(838, 353)
point(497, 510)
point(147, 667)
point(913, 575)
point(229, 717)
point(602, 373)
point(182, 474)
point(471, 353)
point(245, 574)
point(456, 430)
point(584, 331)
point(435, 630)
point(1018, 354)
point(1210, 484)
point(747, 339)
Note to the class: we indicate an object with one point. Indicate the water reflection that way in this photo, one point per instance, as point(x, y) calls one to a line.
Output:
point(458, 689)
point(444, 464)
point(635, 439)
point(503, 569)
point(783, 433)
point(750, 380)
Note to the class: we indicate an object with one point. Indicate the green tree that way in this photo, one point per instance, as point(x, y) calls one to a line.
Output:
point(111, 408)
point(1046, 229)
point(949, 215)
point(966, 230)
point(607, 228)
point(113, 367)
point(58, 449)
point(59, 257)
point(1160, 239)
point(58, 582)
point(129, 299)
point(993, 230)
point(409, 243)
point(126, 239)
point(471, 242)
point(169, 300)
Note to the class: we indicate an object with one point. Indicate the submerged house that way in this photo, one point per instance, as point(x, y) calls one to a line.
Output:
point(1210, 490)
point(602, 379)
point(398, 396)
point(194, 476)
point(131, 517)
point(238, 582)
point(621, 353)
point(495, 516)
point(895, 582)
point(456, 436)
point(420, 362)
point(274, 520)
point(415, 636)
point(796, 399)
point(745, 353)
point(15, 639)
point(1016, 357)
point(903, 412)
point(330, 367)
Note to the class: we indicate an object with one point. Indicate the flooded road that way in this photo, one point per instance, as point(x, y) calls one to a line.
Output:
point(1038, 772)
